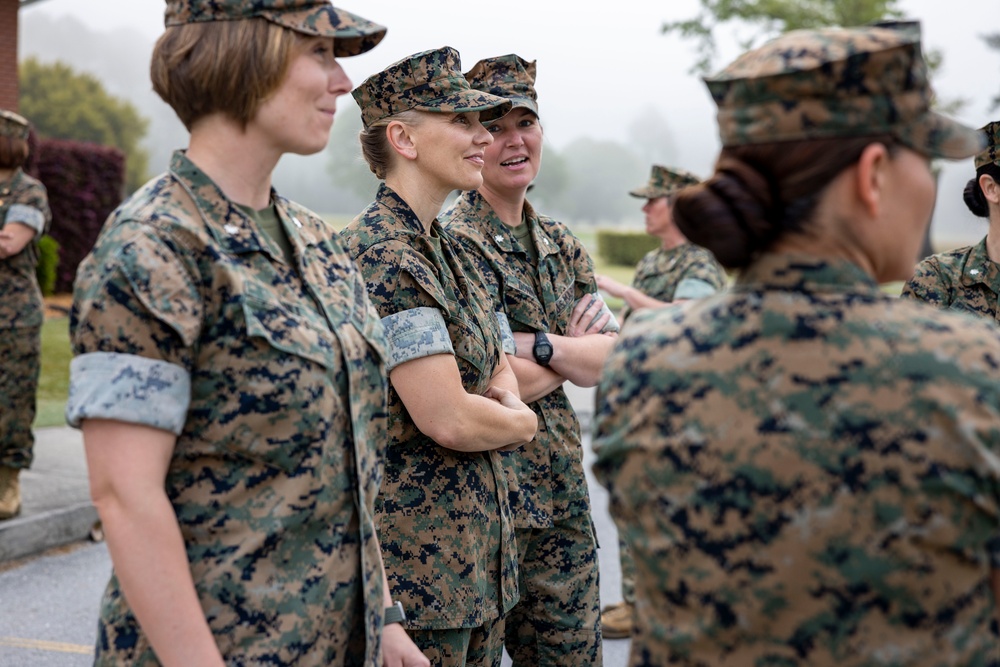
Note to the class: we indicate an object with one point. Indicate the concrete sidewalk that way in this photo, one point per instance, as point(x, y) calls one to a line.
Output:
point(56, 508)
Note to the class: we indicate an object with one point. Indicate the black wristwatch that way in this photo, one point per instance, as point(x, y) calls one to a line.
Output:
point(394, 614)
point(542, 349)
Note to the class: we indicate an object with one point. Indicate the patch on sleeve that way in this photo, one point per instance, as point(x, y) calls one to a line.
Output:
point(26, 215)
point(414, 334)
point(506, 335)
point(693, 288)
point(128, 388)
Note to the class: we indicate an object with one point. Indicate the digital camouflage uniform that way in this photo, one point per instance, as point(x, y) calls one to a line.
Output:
point(557, 621)
point(687, 271)
point(964, 279)
point(806, 468)
point(22, 312)
point(187, 319)
point(444, 516)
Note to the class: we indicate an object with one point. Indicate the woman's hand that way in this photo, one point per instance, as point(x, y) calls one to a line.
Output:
point(14, 238)
point(511, 401)
point(398, 650)
point(586, 317)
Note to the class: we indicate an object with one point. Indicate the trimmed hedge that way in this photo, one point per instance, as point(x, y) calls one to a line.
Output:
point(85, 183)
point(623, 247)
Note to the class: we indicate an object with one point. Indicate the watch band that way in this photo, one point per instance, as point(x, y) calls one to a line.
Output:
point(394, 614)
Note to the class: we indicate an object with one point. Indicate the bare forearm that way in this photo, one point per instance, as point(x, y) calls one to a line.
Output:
point(636, 299)
point(151, 564)
point(480, 424)
point(534, 380)
point(581, 359)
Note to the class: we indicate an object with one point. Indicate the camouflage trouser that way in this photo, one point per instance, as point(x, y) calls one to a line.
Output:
point(628, 572)
point(462, 647)
point(20, 353)
point(558, 618)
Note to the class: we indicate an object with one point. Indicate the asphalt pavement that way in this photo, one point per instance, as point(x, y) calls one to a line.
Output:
point(52, 573)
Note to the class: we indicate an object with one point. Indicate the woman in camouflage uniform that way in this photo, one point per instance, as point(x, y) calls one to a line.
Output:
point(229, 377)
point(806, 469)
point(676, 271)
point(443, 513)
point(968, 279)
point(24, 217)
point(544, 280)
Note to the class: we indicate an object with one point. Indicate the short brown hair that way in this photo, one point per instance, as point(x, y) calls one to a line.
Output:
point(13, 152)
point(220, 66)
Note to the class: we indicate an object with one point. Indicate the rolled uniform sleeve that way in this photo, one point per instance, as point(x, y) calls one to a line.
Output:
point(26, 215)
point(416, 333)
point(694, 288)
point(136, 317)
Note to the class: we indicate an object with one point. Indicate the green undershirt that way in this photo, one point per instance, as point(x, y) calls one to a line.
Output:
point(269, 222)
point(523, 234)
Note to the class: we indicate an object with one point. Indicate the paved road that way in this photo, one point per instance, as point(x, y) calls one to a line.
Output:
point(48, 604)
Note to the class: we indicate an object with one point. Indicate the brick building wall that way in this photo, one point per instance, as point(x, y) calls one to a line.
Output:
point(8, 54)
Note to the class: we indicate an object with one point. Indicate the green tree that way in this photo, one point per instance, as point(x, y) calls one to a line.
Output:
point(767, 18)
point(64, 104)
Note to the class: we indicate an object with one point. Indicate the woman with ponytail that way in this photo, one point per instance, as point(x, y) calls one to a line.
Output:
point(968, 279)
point(806, 470)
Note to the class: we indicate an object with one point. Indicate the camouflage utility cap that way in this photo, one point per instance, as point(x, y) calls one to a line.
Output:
point(508, 76)
point(664, 182)
point(428, 81)
point(351, 33)
point(992, 153)
point(12, 125)
point(836, 82)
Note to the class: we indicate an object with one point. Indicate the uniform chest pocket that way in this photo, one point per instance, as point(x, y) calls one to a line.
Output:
point(524, 308)
point(277, 396)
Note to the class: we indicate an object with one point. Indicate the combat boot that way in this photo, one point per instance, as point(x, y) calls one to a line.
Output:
point(10, 492)
point(617, 621)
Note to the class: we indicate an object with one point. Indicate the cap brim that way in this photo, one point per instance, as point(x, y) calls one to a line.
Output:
point(941, 137)
point(352, 34)
point(490, 107)
point(648, 193)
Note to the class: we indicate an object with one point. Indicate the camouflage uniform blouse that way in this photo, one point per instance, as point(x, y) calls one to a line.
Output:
point(685, 272)
point(806, 472)
point(444, 517)
point(964, 280)
point(22, 199)
point(549, 480)
point(187, 319)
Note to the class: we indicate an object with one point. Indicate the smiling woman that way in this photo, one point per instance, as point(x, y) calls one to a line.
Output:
point(444, 513)
point(221, 332)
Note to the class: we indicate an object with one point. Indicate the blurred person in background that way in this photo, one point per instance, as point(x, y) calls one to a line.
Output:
point(676, 271)
point(968, 279)
point(24, 217)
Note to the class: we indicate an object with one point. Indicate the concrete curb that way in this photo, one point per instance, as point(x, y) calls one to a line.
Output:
point(25, 536)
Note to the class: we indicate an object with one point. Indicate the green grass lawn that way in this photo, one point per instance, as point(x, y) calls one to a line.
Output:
point(53, 385)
